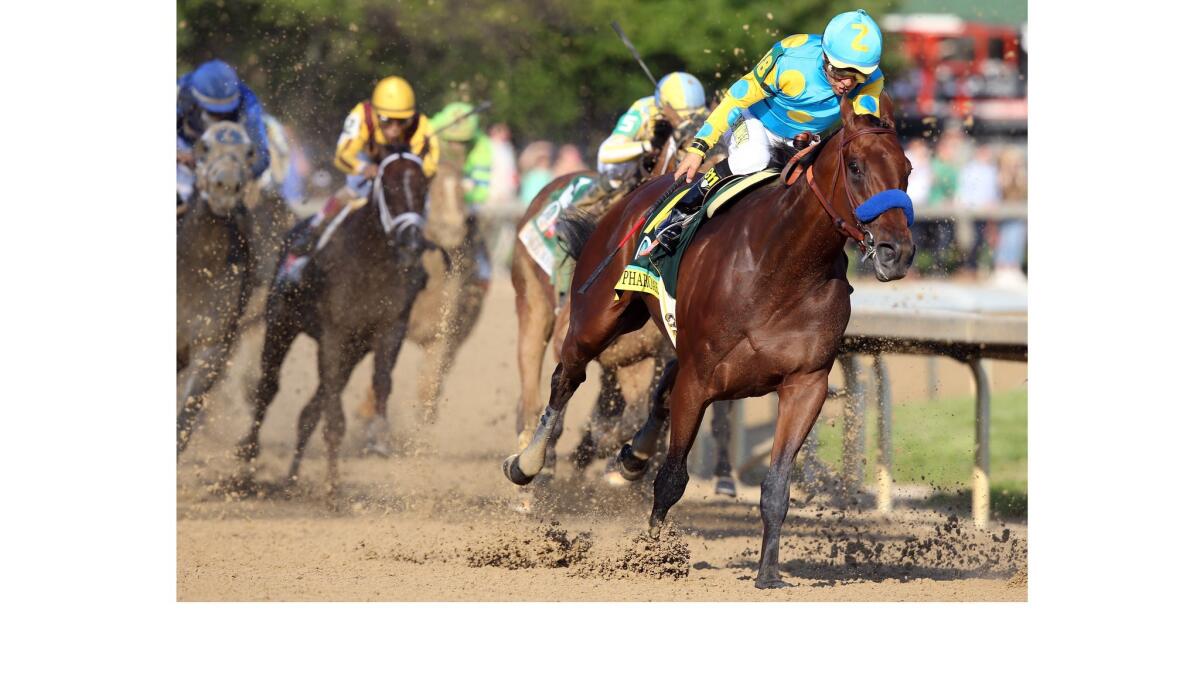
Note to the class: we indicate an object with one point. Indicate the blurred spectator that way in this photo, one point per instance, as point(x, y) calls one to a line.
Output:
point(295, 182)
point(979, 187)
point(934, 239)
point(945, 168)
point(1010, 248)
point(569, 160)
point(504, 165)
point(534, 165)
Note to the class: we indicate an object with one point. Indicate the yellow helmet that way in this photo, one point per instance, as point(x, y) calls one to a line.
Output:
point(393, 98)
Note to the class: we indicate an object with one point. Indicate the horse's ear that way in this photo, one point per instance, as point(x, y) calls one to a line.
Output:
point(849, 119)
point(886, 116)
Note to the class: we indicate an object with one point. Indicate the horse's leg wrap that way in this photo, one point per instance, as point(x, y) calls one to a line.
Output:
point(522, 467)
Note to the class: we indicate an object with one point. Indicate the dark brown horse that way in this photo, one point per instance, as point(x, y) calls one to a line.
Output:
point(355, 298)
point(763, 302)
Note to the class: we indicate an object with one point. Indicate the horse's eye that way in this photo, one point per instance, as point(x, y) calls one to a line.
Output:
point(855, 168)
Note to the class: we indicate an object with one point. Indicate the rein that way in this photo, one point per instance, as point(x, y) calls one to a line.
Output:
point(405, 220)
point(855, 230)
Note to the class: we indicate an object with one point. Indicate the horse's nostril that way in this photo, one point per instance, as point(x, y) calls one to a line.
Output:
point(886, 252)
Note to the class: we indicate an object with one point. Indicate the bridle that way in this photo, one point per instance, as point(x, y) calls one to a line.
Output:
point(405, 221)
point(855, 230)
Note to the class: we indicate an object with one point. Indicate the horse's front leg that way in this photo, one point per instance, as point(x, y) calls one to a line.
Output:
point(335, 360)
point(800, 401)
point(387, 349)
point(203, 372)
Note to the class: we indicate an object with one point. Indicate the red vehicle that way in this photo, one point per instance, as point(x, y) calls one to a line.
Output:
point(958, 68)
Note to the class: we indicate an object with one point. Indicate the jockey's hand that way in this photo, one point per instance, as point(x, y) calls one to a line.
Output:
point(370, 171)
point(662, 132)
point(185, 157)
point(689, 166)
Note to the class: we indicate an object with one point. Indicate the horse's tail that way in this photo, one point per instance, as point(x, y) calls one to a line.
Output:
point(573, 229)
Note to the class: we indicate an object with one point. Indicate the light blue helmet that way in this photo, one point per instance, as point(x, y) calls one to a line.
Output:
point(853, 41)
point(681, 91)
point(216, 87)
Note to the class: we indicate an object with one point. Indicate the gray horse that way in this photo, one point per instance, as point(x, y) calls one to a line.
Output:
point(212, 268)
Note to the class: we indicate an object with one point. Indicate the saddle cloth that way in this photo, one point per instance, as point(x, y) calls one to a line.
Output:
point(538, 234)
point(656, 271)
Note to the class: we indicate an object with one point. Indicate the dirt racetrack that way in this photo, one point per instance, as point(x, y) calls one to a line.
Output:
point(437, 521)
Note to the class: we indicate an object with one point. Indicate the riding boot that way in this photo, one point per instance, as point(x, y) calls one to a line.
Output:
point(685, 210)
point(302, 242)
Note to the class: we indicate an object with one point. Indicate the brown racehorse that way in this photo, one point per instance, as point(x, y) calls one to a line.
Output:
point(355, 298)
point(538, 324)
point(763, 302)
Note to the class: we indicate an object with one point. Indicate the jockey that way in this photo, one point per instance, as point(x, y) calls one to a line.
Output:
point(389, 118)
point(213, 93)
point(642, 129)
point(457, 124)
point(794, 91)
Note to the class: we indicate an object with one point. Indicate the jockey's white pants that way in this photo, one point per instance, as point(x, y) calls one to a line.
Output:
point(750, 145)
point(185, 177)
point(617, 169)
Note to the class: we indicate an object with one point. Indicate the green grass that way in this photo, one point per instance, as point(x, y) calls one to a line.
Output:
point(934, 444)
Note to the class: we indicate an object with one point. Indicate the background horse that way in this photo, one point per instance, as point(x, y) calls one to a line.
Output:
point(354, 298)
point(447, 309)
point(212, 268)
point(763, 302)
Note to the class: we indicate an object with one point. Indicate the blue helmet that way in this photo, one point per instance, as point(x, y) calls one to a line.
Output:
point(216, 87)
point(680, 90)
point(853, 41)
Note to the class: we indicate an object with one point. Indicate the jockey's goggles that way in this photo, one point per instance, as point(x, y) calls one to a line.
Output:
point(838, 73)
point(403, 121)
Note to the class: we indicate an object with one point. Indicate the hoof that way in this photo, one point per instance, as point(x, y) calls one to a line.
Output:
point(726, 487)
point(377, 447)
point(513, 472)
point(655, 529)
point(614, 479)
point(247, 449)
point(630, 466)
point(772, 583)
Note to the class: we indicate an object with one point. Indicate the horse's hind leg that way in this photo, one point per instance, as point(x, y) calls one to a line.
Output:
point(605, 417)
point(800, 402)
point(579, 348)
point(282, 329)
point(535, 320)
point(635, 456)
point(721, 434)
